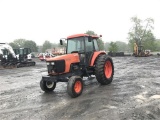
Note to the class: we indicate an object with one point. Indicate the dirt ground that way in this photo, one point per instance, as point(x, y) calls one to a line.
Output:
point(134, 94)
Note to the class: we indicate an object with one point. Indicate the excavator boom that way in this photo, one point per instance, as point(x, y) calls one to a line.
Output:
point(7, 47)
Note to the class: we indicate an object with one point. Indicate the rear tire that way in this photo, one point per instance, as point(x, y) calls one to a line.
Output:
point(104, 69)
point(47, 86)
point(75, 86)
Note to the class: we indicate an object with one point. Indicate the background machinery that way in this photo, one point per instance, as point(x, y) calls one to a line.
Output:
point(7, 56)
point(82, 59)
point(10, 57)
point(24, 57)
point(43, 56)
point(139, 50)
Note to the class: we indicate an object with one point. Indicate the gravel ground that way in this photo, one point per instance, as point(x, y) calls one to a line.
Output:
point(134, 94)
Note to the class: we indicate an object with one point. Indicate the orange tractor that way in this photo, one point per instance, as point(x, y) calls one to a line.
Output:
point(82, 59)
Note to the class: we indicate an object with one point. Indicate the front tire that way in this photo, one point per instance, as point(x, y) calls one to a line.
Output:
point(75, 86)
point(47, 86)
point(104, 69)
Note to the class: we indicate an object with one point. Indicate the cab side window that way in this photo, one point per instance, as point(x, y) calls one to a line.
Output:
point(96, 45)
point(89, 45)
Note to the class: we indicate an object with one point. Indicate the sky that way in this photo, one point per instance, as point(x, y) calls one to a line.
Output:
point(41, 20)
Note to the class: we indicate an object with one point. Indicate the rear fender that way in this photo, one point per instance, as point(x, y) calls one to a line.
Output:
point(95, 55)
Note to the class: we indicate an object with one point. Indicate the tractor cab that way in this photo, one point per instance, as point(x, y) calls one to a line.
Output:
point(83, 44)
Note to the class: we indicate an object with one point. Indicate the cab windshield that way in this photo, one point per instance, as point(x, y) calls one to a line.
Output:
point(75, 45)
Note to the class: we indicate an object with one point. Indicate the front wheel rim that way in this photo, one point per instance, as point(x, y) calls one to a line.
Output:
point(49, 84)
point(108, 69)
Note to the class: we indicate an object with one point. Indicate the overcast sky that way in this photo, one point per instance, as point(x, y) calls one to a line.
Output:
point(41, 20)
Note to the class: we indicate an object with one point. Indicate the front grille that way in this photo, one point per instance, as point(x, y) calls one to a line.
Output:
point(58, 67)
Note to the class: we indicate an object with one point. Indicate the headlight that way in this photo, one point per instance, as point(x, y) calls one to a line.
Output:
point(52, 63)
point(47, 63)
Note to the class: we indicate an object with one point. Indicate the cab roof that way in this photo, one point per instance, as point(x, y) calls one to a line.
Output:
point(81, 35)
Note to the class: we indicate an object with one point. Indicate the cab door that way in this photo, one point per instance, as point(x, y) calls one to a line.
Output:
point(89, 50)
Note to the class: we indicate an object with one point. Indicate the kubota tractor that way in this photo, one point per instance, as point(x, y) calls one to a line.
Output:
point(82, 59)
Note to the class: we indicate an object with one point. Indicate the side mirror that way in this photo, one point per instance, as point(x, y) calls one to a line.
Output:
point(89, 38)
point(61, 42)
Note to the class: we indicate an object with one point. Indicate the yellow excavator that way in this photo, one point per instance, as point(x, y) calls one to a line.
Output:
point(139, 51)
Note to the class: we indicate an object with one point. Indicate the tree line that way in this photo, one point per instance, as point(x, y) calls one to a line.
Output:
point(141, 31)
point(23, 43)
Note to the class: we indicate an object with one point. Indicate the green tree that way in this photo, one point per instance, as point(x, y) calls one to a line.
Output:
point(31, 44)
point(100, 44)
point(113, 47)
point(54, 45)
point(142, 34)
point(149, 41)
point(46, 45)
point(19, 42)
point(90, 32)
point(13, 45)
point(99, 41)
point(157, 42)
point(106, 46)
point(39, 49)
point(122, 46)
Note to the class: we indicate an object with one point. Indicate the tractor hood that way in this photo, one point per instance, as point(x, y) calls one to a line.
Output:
point(68, 58)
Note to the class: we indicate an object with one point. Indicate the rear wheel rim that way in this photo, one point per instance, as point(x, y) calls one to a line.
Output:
point(49, 84)
point(108, 69)
point(77, 86)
